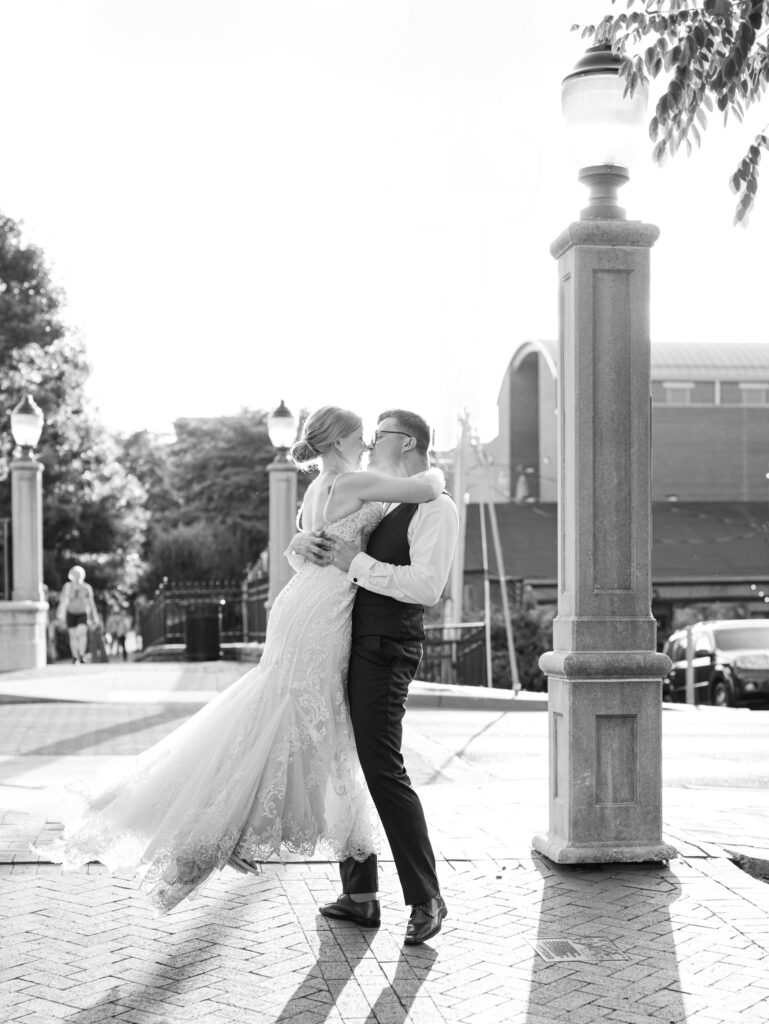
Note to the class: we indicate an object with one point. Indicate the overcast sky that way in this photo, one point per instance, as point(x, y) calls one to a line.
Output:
point(345, 201)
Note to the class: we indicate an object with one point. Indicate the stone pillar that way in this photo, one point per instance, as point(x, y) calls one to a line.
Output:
point(23, 636)
point(27, 526)
point(604, 675)
point(282, 523)
point(23, 620)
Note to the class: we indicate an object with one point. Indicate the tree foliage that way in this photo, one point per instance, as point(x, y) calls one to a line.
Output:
point(709, 54)
point(92, 509)
point(29, 303)
point(207, 496)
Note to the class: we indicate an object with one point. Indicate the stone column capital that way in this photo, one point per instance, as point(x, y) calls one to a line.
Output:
point(598, 665)
point(605, 232)
point(27, 465)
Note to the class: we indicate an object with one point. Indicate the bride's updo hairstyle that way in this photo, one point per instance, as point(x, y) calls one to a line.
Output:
point(321, 429)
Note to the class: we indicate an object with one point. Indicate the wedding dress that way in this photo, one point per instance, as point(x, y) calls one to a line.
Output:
point(269, 763)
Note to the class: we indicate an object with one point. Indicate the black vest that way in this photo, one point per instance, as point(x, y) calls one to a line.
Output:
point(375, 614)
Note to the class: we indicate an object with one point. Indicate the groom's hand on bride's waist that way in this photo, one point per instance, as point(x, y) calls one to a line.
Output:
point(315, 547)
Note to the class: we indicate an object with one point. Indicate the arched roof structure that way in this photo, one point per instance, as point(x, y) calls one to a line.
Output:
point(675, 360)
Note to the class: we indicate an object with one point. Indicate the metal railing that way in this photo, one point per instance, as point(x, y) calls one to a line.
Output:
point(451, 654)
point(5, 559)
point(253, 597)
point(239, 605)
point(454, 654)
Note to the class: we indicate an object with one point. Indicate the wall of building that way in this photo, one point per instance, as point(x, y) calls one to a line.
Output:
point(548, 434)
point(523, 426)
point(700, 452)
point(710, 453)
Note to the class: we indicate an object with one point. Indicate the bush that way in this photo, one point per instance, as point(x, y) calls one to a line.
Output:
point(532, 636)
point(201, 552)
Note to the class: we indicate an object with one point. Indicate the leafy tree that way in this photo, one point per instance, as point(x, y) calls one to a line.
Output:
point(219, 469)
point(92, 509)
point(147, 457)
point(712, 52)
point(207, 496)
point(29, 303)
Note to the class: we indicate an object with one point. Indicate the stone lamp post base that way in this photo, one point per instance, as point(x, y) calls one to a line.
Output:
point(605, 711)
point(23, 634)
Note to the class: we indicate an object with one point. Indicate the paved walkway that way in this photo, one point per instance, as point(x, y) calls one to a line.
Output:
point(525, 940)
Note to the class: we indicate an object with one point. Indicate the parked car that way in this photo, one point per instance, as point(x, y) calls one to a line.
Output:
point(731, 663)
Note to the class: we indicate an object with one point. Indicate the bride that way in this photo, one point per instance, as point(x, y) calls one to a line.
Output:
point(271, 761)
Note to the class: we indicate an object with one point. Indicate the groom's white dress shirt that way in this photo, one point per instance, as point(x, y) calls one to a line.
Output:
point(432, 534)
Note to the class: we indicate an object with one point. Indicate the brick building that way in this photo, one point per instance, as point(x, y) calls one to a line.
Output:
point(710, 489)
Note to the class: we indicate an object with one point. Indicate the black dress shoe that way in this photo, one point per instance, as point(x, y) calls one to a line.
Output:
point(366, 914)
point(426, 920)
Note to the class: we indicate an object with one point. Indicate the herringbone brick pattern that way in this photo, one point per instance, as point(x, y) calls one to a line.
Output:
point(85, 948)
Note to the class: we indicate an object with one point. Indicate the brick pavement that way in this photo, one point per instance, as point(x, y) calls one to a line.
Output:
point(690, 943)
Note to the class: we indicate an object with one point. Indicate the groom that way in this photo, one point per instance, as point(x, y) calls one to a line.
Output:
point(404, 568)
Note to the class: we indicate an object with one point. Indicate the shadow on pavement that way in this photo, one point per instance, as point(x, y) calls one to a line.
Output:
point(92, 738)
point(394, 1003)
point(331, 983)
point(620, 915)
point(160, 964)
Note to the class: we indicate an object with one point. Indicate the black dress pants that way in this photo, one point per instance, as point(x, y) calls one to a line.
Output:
point(380, 672)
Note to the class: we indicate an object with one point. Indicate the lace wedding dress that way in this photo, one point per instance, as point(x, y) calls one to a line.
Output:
point(269, 763)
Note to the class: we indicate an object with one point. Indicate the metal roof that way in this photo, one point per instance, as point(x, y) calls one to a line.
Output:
point(692, 540)
point(728, 360)
point(683, 360)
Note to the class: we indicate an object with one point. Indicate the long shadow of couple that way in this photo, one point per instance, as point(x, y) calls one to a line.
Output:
point(346, 976)
point(343, 975)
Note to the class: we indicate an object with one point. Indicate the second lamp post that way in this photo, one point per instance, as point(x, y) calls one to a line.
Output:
point(281, 426)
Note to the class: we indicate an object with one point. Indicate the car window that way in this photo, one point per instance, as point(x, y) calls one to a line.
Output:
point(754, 638)
point(702, 647)
point(677, 651)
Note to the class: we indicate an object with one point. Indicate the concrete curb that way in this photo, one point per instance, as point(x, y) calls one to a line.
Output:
point(752, 861)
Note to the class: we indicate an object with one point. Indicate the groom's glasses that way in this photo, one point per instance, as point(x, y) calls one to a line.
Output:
point(378, 434)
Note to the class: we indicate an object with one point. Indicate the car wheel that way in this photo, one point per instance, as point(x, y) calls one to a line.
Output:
point(720, 694)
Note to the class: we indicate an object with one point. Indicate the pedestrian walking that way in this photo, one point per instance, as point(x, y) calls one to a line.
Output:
point(77, 610)
point(118, 624)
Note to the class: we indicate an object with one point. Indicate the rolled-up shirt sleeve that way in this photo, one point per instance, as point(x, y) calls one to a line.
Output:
point(432, 536)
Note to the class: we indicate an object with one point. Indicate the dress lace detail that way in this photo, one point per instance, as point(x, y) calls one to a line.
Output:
point(270, 763)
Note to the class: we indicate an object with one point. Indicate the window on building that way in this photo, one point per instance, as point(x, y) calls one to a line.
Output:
point(735, 393)
point(704, 392)
point(754, 394)
point(677, 392)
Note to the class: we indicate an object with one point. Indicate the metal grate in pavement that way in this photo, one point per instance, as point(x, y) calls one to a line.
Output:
point(592, 951)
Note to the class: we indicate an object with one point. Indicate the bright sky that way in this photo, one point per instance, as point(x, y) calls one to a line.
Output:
point(331, 201)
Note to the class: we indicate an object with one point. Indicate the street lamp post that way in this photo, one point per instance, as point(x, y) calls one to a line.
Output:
point(281, 426)
point(604, 675)
point(27, 503)
point(23, 619)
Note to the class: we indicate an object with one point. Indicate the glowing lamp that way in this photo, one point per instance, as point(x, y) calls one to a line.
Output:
point(27, 425)
point(281, 426)
point(604, 127)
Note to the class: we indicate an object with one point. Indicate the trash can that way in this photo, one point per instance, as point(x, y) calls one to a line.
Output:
point(202, 633)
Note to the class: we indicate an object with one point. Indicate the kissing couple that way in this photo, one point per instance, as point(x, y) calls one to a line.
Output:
point(293, 755)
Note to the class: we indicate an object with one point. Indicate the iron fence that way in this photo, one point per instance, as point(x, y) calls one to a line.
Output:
point(238, 605)
point(454, 654)
point(451, 654)
point(5, 559)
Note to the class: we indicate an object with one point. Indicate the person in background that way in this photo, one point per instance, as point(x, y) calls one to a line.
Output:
point(77, 609)
point(118, 624)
